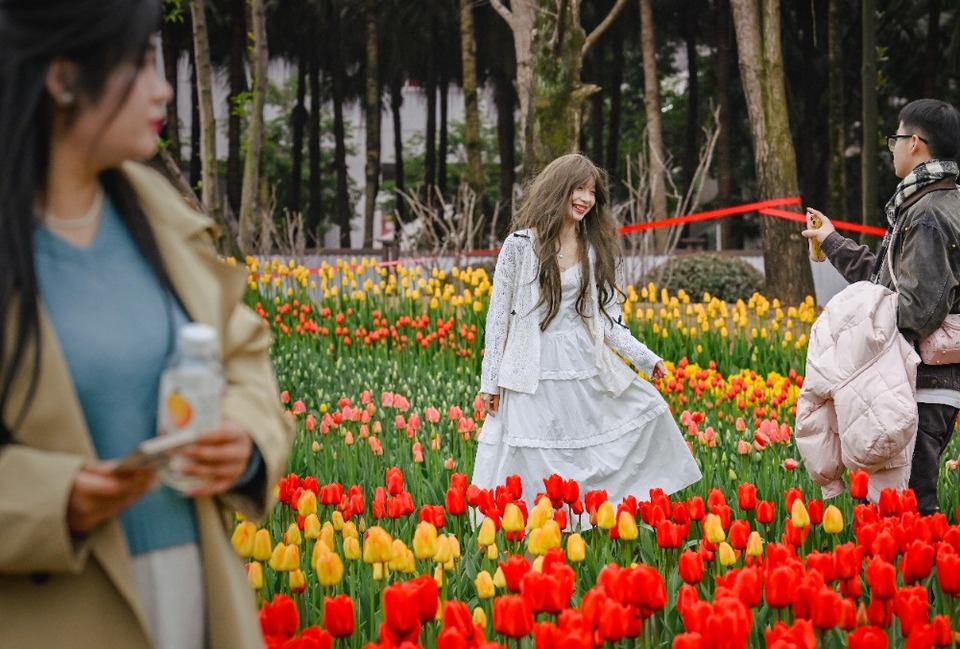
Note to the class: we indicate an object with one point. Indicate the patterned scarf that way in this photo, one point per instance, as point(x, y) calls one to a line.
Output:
point(922, 175)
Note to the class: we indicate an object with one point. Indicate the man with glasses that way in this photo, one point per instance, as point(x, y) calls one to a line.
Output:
point(924, 218)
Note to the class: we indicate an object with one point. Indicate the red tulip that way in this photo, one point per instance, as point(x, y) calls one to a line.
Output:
point(848, 614)
point(800, 634)
point(554, 489)
point(942, 633)
point(889, 504)
point(824, 563)
point(279, 617)
point(646, 589)
point(867, 637)
point(687, 641)
point(848, 560)
point(882, 578)
point(428, 596)
point(826, 608)
point(880, 612)
point(911, 606)
point(571, 491)
point(948, 570)
point(514, 486)
point(851, 588)
point(738, 534)
point(765, 512)
point(859, 483)
point(394, 480)
point(614, 621)
point(686, 596)
point(691, 566)
point(401, 607)
point(338, 616)
point(512, 616)
point(671, 535)
point(696, 508)
point(748, 586)
point(455, 503)
point(747, 496)
point(917, 562)
point(780, 584)
point(815, 511)
point(514, 570)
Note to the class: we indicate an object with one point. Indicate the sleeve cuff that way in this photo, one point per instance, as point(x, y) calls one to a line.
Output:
point(253, 467)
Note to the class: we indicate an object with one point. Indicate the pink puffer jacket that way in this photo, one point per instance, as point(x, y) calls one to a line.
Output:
point(858, 408)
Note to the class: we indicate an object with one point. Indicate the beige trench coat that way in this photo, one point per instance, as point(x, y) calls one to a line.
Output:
point(56, 591)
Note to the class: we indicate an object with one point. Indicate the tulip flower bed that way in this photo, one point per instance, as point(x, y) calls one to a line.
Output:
point(379, 539)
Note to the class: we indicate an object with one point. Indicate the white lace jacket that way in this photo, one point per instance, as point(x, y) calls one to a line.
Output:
point(512, 338)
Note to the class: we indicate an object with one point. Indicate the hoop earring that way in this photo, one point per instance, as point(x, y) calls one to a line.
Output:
point(66, 98)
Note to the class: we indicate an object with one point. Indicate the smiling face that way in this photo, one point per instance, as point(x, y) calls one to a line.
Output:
point(582, 200)
point(123, 123)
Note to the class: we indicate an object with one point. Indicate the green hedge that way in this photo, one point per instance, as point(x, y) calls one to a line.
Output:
point(724, 277)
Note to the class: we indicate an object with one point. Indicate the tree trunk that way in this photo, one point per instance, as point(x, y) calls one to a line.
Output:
point(550, 45)
point(836, 128)
point(400, 182)
point(238, 86)
point(372, 106)
point(506, 147)
point(869, 210)
point(471, 107)
point(171, 51)
point(788, 272)
point(196, 163)
point(298, 120)
point(725, 120)
point(612, 150)
point(443, 136)
point(250, 205)
point(208, 125)
point(337, 83)
point(931, 87)
point(651, 102)
point(430, 140)
point(691, 150)
point(315, 210)
point(598, 65)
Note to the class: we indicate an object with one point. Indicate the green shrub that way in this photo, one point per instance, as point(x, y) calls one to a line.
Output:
point(724, 277)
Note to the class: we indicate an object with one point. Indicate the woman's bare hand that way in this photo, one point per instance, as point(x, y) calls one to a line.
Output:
point(491, 402)
point(100, 494)
point(219, 457)
point(659, 371)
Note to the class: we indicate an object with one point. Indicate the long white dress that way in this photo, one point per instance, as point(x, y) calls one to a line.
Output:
point(572, 426)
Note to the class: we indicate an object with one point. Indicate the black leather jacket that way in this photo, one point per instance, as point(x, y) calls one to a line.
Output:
point(926, 261)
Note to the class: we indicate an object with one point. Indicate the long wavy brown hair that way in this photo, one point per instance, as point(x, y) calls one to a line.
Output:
point(545, 203)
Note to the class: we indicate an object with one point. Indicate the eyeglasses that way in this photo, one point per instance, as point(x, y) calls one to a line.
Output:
point(892, 140)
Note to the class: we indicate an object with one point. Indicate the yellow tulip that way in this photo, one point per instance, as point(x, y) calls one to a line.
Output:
point(454, 546)
point(350, 530)
point(293, 537)
point(480, 617)
point(255, 574)
point(311, 527)
point(262, 545)
point(351, 548)
point(425, 541)
point(484, 585)
point(832, 520)
point(337, 519)
point(541, 513)
point(713, 528)
point(512, 518)
point(379, 573)
point(550, 536)
point(627, 526)
point(488, 533)
point(443, 552)
point(297, 580)
point(243, 537)
point(329, 567)
point(534, 545)
point(576, 548)
point(398, 560)
point(378, 547)
point(285, 558)
point(328, 536)
point(799, 515)
point(726, 554)
point(307, 503)
point(492, 552)
point(605, 516)
point(499, 580)
point(754, 544)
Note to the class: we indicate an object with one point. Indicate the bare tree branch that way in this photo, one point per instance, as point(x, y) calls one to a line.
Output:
point(599, 29)
point(501, 9)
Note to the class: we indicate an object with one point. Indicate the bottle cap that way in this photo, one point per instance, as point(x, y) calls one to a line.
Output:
point(197, 339)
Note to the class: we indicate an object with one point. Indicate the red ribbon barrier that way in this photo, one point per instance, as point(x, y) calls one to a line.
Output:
point(840, 225)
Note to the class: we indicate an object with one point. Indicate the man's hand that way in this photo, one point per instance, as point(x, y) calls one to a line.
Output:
point(821, 233)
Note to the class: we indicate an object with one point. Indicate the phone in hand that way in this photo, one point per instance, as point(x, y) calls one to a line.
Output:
point(156, 452)
point(816, 252)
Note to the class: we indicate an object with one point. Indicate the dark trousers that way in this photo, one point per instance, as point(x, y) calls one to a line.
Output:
point(937, 422)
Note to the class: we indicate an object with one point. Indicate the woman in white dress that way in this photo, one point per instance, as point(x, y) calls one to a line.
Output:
point(558, 398)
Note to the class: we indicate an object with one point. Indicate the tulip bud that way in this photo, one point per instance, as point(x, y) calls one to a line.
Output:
point(550, 535)
point(337, 519)
point(311, 527)
point(378, 547)
point(443, 552)
point(454, 545)
point(713, 529)
point(255, 574)
point(480, 617)
point(799, 515)
point(425, 541)
point(262, 546)
point(512, 518)
point(488, 533)
point(297, 581)
point(542, 512)
point(292, 535)
point(493, 554)
point(627, 526)
point(576, 548)
point(484, 585)
point(399, 559)
point(754, 544)
point(327, 536)
point(243, 537)
point(499, 580)
point(351, 548)
point(726, 554)
point(605, 516)
point(307, 503)
point(832, 520)
point(350, 530)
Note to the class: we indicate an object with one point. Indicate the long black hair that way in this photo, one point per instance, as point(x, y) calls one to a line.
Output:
point(98, 37)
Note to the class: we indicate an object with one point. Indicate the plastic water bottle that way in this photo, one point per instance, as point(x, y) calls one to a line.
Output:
point(190, 391)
